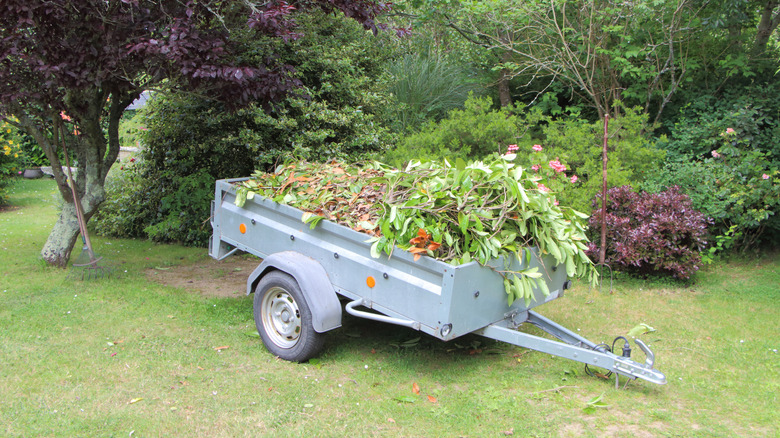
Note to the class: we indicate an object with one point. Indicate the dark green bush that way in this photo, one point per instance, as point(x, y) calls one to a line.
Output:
point(735, 185)
point(190, 142)
point(753, 112)
point(124, 213)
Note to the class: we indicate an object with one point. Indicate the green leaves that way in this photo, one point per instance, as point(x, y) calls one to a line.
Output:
point(478, 211)
point(640, 329)
point(594, 404)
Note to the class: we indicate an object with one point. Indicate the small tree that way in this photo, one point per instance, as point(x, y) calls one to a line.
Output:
point(89, 59)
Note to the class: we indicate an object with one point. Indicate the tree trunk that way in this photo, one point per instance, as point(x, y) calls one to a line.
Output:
point(58, 247)
point(56, 251)
point(94, 155)
point(504, 94)
point(767, 24)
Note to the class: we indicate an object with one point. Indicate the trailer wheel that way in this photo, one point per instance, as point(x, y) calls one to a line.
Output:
point(283, 318)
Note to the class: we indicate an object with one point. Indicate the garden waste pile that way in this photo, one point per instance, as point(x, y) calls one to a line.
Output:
point(475, 211)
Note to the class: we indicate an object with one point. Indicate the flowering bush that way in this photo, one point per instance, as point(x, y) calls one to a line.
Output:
point(11, 156)
point(572, 146)
point(651, 233)
point(552, 171)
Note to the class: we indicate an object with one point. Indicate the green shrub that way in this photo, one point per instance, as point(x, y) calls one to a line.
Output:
point(753, 113)
point(579, 144)
point(473, 132)
point(736, 185)
point(478, 130)
point(124, 213)
point(425, 87)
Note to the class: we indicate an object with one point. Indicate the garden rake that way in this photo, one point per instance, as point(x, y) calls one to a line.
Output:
point(87, 262)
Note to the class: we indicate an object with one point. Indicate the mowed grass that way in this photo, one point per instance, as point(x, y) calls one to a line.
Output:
point(128, 357)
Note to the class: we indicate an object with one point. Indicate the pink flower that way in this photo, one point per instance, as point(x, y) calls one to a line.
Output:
point(765, 176)
point(536, 167)
point(511, 148)
point(537, 148)
point(715, 154)
point(573, 179)
point(65, 116)
point(555, 202)
point(729, 131)
point(542, 188)
point(557, 166)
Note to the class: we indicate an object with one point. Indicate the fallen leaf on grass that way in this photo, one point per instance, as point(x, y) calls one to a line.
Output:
point(416, 388)
point(432, 399)
point(594, 403)
point(390, 420)
point(509, 432)
point(221, 348)
point(135, 400)
point(640, 330)
point(406, 399)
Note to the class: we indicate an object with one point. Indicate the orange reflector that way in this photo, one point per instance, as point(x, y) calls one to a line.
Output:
point(242, 228)
point(370, 281)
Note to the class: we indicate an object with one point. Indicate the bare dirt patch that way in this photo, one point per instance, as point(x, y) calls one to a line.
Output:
point(4, 208)
point(212, 278)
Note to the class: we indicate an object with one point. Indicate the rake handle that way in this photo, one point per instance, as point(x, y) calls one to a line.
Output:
point(77, 202)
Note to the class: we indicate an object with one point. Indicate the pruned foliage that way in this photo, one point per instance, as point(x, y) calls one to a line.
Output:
point(458, 214)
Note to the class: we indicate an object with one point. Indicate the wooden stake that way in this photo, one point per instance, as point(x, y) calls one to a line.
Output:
point(603, 249)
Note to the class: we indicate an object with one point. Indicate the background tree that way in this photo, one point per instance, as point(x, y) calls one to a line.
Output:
point(602, 50)
point(89, 59)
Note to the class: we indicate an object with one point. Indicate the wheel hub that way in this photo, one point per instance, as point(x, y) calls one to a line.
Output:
point(281, 317)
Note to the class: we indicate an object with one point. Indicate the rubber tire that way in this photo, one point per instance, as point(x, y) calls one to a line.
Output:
point(309, 342)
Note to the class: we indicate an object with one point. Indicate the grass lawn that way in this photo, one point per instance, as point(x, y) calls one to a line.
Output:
point(127, 356)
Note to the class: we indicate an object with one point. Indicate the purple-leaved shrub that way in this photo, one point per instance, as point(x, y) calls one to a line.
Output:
point(650, 233)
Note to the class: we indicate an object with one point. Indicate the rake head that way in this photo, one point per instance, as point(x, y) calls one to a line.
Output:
point(86, 266)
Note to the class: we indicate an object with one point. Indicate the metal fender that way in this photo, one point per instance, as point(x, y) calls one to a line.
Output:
point(314, 282)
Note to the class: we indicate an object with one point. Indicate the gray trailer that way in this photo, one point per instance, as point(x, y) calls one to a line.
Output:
point(306, 273)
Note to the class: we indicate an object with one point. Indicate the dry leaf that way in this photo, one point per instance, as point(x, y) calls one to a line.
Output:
point(509, 432)
point(416, 388)
point(417, 257)
point(136, 400)
point(390, 420)
point(432, 399)
point(221, 348)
